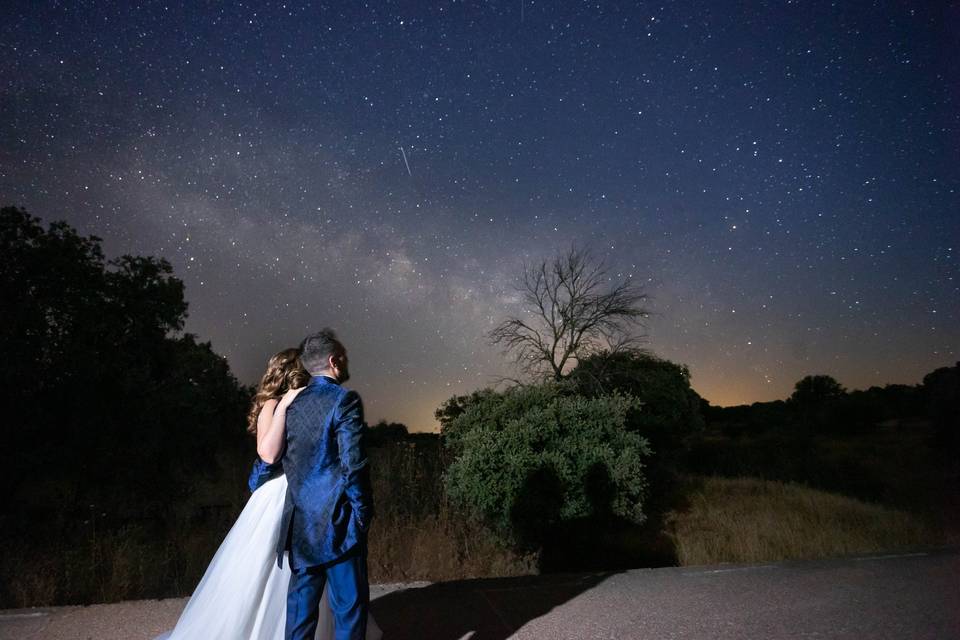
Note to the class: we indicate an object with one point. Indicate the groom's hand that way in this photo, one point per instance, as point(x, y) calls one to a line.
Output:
point(288, 398)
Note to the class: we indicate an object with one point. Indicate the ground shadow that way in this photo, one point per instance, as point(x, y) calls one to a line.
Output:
point(486, 609)
point(587, 545)
point(574, 556)
point(493, 608)
point(603, 541)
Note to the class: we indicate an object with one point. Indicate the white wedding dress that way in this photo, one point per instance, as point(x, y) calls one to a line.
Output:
point(243, 593)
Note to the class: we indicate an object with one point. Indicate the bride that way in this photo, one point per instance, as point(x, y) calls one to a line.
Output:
point(243, 593)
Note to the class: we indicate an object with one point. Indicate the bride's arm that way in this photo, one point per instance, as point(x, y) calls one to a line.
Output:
point(271, 427)
point(263, 422)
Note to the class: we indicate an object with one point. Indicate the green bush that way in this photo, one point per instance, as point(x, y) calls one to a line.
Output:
point(532, 457)
point(663, 386)
point(671, 408)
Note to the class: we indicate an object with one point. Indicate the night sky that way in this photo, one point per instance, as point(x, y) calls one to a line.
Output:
point(780, 177)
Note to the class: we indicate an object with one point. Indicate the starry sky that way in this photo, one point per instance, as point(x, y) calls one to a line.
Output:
point(781, 178)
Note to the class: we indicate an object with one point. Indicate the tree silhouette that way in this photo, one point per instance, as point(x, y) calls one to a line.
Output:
point(570, 312)
point(384, 432)
point(105, 399)
point(816, 400)
point(671, 408)
point(815, 390)
point(941, 388)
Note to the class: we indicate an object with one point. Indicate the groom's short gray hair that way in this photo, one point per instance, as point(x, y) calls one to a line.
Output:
point(316, 349)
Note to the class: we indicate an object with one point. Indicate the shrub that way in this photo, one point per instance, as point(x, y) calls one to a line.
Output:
point(671, 408)
point(532, 457)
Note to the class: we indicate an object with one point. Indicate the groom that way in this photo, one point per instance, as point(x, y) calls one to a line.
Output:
point(329, 503)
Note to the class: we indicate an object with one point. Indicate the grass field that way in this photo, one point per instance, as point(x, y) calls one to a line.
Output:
point(742, 520)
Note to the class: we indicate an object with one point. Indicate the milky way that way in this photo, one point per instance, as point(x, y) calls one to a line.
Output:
point(780, 177)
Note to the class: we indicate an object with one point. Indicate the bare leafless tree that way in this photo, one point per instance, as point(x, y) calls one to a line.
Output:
point(571, 310)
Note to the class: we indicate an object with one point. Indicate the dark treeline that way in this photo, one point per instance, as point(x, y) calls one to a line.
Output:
point(99, 385)
point(113, 415)
point(821, 405)
point(897, 444)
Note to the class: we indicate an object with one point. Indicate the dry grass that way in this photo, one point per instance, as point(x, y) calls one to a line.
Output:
point(416, 535)
point(745, 520)
point(130, 563)
point(440, 547)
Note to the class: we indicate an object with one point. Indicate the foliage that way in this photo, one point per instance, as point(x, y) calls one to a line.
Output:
point(530, 457)
point(812, 390)
point(941, 390)
point(671, 408)
point(819, 404)
point(108, 404)
point(383, 433)
point(816, 401)
point(748, 419)
point(883, 444)
point(570, 312)
point(454, 407)
point(893, 401)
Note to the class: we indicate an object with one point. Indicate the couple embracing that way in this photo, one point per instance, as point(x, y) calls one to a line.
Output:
point(294, 565)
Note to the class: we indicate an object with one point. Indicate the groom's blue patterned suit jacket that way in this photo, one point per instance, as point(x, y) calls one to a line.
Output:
point(329, 501)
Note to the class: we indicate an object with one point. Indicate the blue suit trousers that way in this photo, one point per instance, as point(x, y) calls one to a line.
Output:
point(349, 597)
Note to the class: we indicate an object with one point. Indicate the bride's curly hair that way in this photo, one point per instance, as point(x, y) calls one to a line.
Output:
point(284, 372)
